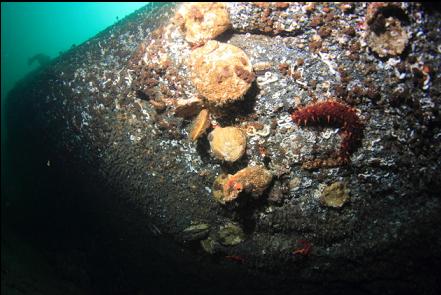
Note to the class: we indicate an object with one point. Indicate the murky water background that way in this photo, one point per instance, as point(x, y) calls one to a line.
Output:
point(47, 30)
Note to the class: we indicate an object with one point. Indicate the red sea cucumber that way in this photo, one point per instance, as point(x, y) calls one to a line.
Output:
point(335, 114)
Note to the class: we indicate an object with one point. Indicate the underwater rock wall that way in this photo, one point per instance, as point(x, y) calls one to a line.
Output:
point(352, 202)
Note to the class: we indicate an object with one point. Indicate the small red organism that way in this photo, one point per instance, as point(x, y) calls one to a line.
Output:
point(305, 250)
point(262, 151)
point(235, 258)
point(335, 114)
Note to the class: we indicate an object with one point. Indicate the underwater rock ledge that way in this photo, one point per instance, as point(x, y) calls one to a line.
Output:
point(103, 117)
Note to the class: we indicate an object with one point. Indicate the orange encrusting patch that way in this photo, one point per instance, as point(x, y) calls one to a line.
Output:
point(336, 114)
point(231, 183)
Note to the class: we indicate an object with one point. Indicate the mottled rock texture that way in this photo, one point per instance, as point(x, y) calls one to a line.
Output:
point(103, 114)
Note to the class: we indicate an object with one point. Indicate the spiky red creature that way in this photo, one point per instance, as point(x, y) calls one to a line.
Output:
point(334, 114)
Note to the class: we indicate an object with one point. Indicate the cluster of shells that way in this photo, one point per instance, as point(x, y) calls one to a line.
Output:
point(222, 74)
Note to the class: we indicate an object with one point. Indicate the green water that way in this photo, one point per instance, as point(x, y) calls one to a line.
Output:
point(28, 29)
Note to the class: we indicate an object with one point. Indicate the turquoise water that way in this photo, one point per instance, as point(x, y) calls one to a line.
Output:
point(29, 29)
point(46, 29)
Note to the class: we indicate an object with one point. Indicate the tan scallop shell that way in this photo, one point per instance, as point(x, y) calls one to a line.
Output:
point(200, 124)
point(202, 21)
point(228, 143)
point(221, 72)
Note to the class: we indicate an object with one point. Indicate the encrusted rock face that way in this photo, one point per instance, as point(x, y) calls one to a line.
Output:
point(202, 21)
point(326, 119)
point(221, 72)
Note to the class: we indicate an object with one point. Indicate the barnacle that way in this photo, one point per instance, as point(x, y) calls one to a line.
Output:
point(385, 33)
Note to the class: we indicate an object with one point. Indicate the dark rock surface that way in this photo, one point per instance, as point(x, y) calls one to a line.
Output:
point(118, 182)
